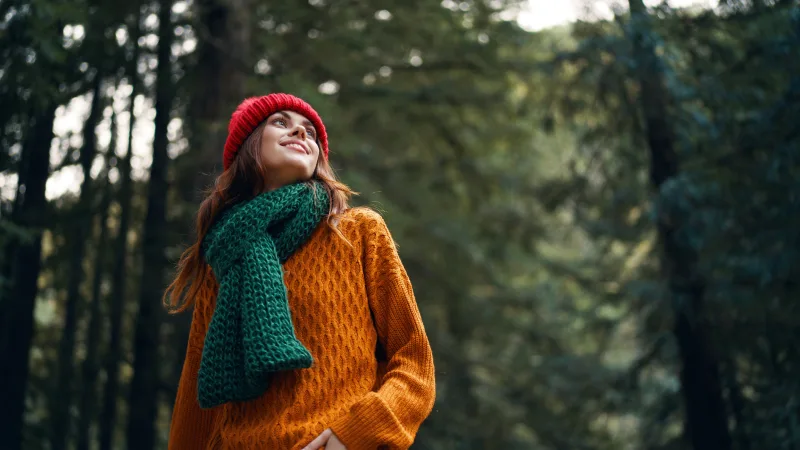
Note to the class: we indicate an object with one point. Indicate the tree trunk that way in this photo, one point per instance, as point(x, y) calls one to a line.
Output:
point(117, 299)
point(82, 220)
point(706, 422)
point(87, 404)
point(216, 89)
point(737, 402)
point(145, 383)
point(16, 332)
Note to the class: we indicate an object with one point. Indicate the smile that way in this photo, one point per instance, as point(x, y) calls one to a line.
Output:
point(296, 146)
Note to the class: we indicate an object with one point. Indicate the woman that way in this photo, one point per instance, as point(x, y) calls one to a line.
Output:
point(305, 332)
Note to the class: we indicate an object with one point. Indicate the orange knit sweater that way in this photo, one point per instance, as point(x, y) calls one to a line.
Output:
point(372, 381)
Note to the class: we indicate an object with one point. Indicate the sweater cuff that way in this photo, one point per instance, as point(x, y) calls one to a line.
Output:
point(369, 425)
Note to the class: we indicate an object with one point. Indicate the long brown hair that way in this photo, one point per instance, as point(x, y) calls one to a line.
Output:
point(244, 179)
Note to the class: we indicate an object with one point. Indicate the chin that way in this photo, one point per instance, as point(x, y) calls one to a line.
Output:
point(292, 168)
point(303, 174)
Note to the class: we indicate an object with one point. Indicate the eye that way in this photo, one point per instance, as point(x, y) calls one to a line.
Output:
point(279, 121)
point(312, 133)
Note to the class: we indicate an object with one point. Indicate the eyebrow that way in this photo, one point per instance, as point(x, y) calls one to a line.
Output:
point(305, 122)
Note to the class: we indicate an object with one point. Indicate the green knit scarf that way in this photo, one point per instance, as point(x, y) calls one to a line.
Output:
point(251, 333)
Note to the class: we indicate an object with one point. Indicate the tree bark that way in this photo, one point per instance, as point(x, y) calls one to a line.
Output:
point(224, 36)
point(82, 220)
point(143, 398)
point(706, 421)
point(16, 332)
point(117, 300)
point(87, 404)
point(737, 402)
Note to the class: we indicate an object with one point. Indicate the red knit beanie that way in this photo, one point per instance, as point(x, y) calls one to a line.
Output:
point(254, 110)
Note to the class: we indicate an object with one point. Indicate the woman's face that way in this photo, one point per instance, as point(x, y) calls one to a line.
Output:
point(289, 149)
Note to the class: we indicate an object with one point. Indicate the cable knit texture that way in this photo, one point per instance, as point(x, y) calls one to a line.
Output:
point(372, 380)
point(254, 110)
point(251, 332)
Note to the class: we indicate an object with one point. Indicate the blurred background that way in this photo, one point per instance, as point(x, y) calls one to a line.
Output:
point(598, 204)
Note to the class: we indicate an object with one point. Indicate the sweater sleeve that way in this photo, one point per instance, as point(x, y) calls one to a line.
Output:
point(390, 417)
point(192, 426)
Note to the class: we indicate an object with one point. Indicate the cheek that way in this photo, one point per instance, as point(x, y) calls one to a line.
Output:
point(270, 137)
point(269, 142)
point(316, 150)
point(313, 163)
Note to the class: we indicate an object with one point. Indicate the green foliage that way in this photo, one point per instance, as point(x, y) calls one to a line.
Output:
point(733, 92)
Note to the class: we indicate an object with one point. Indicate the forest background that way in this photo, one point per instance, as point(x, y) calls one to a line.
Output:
point(601, 219)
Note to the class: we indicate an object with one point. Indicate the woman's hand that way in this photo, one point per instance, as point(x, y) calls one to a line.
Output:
point(326, 439)
point(334, 443)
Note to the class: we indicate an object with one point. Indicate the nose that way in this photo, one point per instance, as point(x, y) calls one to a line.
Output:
point(299, 131)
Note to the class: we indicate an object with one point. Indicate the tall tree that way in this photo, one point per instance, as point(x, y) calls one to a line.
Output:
point(32, 32)
point(218, 81)
point(96, 52)
point(119, 275)
point(30, 210)
point(706, 421)
point(81, 221)
point(87, 403)
point(144, 389)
